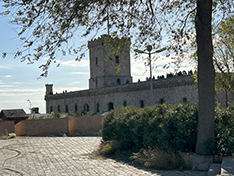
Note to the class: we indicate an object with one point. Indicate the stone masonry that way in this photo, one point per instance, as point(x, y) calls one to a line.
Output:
point(109, 89)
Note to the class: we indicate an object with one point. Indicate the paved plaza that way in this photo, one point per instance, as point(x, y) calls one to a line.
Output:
point(65, 156)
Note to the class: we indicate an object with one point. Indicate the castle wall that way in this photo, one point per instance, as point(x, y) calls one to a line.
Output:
point(169, 90)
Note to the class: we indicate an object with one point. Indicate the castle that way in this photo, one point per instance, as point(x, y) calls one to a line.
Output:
point(109, 89)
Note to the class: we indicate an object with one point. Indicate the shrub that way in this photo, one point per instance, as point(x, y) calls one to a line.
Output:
point(164, 126)
point(162, 130)
point(224, 131)
point(159, 159)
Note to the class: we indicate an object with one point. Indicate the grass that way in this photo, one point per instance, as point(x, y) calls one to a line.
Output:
point(7, 135)
point(149, 158)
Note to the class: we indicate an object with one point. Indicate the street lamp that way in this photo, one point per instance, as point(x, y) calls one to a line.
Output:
point(149, 49)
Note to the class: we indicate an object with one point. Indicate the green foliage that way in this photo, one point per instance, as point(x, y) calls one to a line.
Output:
point(166, 127)
point(224, 131)
point(56, 115)
point(224, 54)
point(159, 159)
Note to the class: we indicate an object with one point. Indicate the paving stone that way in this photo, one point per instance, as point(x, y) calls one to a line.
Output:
point(70, 156)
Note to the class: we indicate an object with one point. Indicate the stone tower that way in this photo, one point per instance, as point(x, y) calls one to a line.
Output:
point(106, 56)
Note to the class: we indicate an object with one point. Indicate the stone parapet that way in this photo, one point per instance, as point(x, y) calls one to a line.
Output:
point(138, 86)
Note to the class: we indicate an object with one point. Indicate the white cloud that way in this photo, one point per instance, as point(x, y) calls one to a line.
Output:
point(8, 76)
point(17, 83)
point(21, 92)
point(73, 83)
point(73, 63)
point(3, 67)
point(79, 73)
point(5, 86)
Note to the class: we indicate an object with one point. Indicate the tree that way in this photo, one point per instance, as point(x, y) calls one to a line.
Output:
point(53, 23)
point(224, 55)
point(206, 76)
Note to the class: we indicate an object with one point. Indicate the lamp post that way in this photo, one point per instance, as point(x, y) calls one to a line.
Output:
point(149, 49)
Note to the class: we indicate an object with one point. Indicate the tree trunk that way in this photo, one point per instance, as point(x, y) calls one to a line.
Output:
point(206, 78)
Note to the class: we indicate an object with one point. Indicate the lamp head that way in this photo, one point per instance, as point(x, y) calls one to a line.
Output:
point(149, 48)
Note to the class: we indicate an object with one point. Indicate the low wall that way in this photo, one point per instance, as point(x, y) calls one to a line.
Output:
point(85, 125)
point(41, 127)
point(6, 127)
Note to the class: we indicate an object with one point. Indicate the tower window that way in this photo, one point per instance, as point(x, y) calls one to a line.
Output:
point(110, 106)
point(118, 81)
point(125, 103)
point(162, 101)
point(97, 107)
point(96, 59)
point(185, 100)
point(142, 103)
point(117, 59)
point(86, 108)
point(76, 108)
point(51, 109)
point(66, 109)
point(58, 108)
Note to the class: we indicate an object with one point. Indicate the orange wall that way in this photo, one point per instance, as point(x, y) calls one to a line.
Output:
point(85, 124)
point(41, 127)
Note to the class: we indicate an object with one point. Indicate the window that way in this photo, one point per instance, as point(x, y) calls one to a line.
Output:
point(58, 108)
point(125, 103)
point(97, 107)
point(66, 109)
point(96, 59)
point(76, 108)
point(117, 59)
point(110, 106)
point(142, 103)
point(86, 108)
point(51, 109)
point(185, 100)
point(162, 101)
point(118, 81)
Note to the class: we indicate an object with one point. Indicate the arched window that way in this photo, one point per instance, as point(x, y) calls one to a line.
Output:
point(86, 107)
point(117, 59)
point(58, 108)
point(118, 81)
point(76, 108)
point(51, 109)
point(66, 109)
point(110, 106)
point(125, 103)
point(162, 101)
point(142, 103)
point(96, 60)
point(185, 100)
point(97, 107)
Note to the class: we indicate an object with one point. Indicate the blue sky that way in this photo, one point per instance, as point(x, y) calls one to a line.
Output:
point(19, 81)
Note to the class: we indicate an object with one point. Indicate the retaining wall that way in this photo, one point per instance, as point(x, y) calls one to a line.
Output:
point(6, 127)
point(41, 127)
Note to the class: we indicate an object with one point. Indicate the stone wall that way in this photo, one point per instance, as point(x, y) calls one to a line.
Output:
point(87, 125)
point(41, 127)
point(6, 127)
point(169, 90)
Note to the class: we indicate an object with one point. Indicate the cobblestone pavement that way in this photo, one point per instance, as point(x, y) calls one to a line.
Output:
point(65, 156)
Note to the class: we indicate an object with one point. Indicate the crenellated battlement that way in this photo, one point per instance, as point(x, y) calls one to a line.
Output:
point(137, 86)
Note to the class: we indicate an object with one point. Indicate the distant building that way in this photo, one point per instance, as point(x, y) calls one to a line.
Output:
point(109, 89)
point(13, 114)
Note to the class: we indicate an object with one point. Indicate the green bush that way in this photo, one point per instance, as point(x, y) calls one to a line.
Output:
point(224, 131)
point(166, 127)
